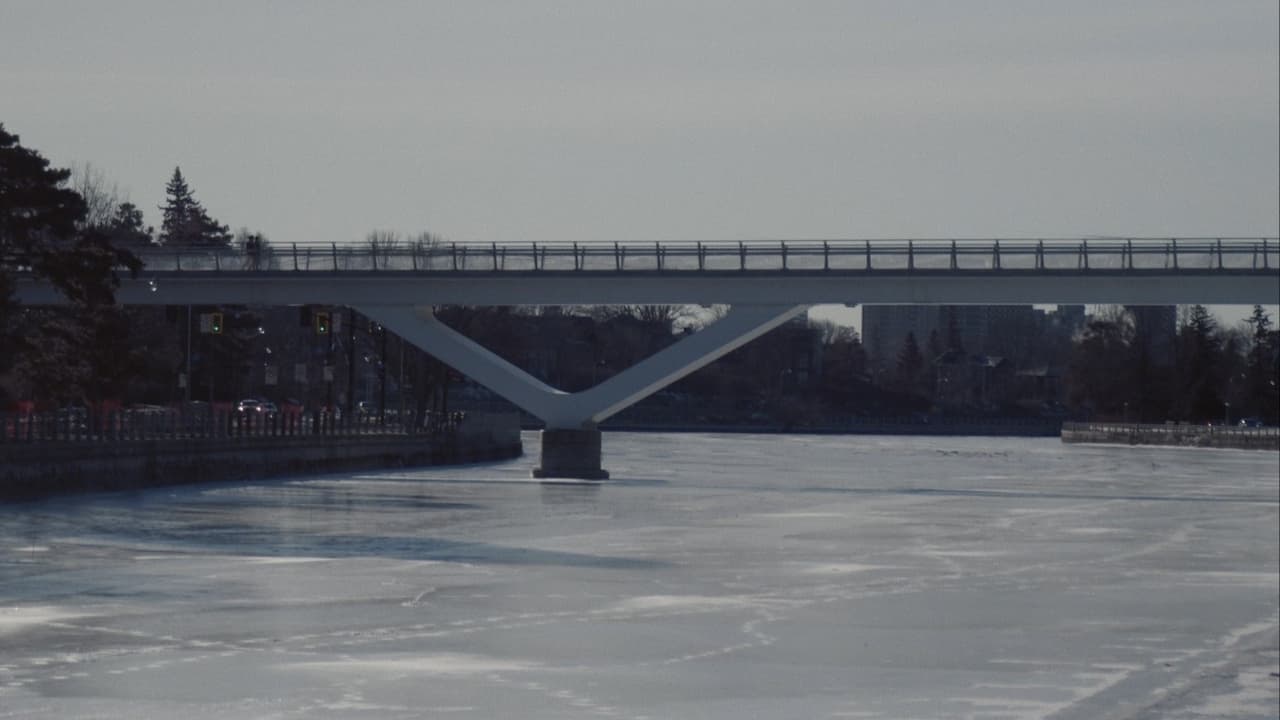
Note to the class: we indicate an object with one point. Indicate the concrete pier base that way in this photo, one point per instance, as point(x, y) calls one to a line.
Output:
point(570, 454)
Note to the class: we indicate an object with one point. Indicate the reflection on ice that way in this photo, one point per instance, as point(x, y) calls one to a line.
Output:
point(13, 619)
point(435, 664)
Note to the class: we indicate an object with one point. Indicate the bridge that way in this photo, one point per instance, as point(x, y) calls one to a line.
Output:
point(764, 283)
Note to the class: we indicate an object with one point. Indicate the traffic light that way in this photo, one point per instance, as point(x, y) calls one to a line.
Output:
point(321, 320)
point(215, 323)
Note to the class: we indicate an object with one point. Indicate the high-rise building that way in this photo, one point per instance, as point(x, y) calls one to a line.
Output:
point(885, 328)
point(1001, 330)
point(1155, 330)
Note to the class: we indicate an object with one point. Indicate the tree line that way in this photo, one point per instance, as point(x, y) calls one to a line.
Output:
point(74, 229)
point(1211, 374)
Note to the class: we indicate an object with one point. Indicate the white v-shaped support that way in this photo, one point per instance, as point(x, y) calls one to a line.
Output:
point(587, 408)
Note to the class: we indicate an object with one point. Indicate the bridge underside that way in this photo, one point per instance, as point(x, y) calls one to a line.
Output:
point(571, 445)
point(790, 288)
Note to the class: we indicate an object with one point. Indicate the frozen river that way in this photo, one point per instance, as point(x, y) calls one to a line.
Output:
point(715, 576)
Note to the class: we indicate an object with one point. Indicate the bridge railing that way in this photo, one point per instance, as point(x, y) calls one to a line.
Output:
point(1230, 255)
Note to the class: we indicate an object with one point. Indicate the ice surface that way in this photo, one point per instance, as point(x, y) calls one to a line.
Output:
point(715, 576)
point(13, 619)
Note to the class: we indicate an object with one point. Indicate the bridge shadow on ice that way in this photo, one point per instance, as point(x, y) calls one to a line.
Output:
point(300, 522)
point(255, 541)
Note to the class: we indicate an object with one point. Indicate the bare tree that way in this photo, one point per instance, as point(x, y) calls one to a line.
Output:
point(832, 333)
point(426, 245)
point(669, 316)
point(101, 196)
point(696, 317)
point(383, 240)
point(383, 244)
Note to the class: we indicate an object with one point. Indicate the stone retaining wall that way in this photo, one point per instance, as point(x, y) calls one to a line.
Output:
point(41, 469)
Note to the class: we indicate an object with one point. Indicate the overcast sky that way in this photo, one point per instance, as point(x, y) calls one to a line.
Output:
point(598, 120)
point(683, 120)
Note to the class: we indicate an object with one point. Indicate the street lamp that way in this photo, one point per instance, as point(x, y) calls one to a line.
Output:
point(1226, 413)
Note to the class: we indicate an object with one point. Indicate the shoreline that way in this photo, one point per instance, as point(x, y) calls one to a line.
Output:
point(1190, 436)
point(44, 469)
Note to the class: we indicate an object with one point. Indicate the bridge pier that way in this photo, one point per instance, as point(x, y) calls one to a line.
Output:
point(571, 453)
point(571, 442)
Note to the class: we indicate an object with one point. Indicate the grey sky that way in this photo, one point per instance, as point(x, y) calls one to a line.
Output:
point(506, 121)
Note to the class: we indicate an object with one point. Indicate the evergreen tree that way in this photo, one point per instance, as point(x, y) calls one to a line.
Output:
point(185, 220)
point(1199, 347)
point(910, 363)
point(41, 230)
point(935, 346)
point(1262, 369)
point(36, 211)
point(180, 210)
point(126, 228)
point(1098, 373)
point(955, 342)
point(933, 351)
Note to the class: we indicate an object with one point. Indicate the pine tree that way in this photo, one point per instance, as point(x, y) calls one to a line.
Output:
point(180, 211)
point(1262, 371)
point(35, 209)
point(910, 362)
point(42, 229)
point(1200, 348)
point(935, 346)
point(955, 342)
point(1097, 373)
point(126, 227)
point(185, 220)
point(36, 214)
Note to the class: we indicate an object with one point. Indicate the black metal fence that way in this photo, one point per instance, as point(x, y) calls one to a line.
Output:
point(1153, 431)
point(78, 425)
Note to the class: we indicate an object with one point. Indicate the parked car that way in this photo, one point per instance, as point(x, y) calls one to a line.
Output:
point(1252, 422)
point(256, 405)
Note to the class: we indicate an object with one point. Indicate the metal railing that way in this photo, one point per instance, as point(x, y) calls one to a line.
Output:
point(116, 426)
point(1171, 430)
point(1135, 255)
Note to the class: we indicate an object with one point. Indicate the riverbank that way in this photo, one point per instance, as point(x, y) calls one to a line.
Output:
point(35, 470)
point(938, 427)
point(1242, 438)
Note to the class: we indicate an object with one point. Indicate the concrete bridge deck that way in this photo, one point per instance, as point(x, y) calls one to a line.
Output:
point(1130, 271)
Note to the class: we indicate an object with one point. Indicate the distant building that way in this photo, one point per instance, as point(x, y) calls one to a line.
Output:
point(974, 381)
point(885, 328)
point(1069, 317)
point(1155, 330)
point(1009, 331)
